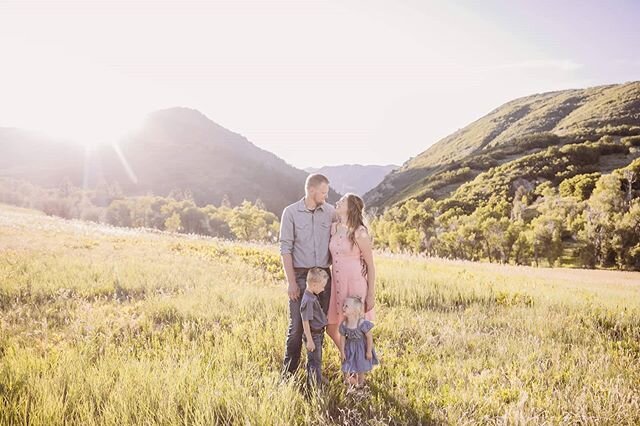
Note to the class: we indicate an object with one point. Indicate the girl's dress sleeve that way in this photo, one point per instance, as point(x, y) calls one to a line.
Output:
point(342, 329)
point(366, 326)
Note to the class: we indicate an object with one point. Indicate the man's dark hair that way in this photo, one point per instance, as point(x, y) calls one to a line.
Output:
point(315, 179)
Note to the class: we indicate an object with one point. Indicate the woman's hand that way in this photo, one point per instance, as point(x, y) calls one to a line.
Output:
point(369, 355)
point(369, 302)
point(343, 357)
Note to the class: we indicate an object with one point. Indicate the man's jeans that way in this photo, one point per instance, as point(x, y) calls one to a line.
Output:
point(314, 359)
point(295, 332)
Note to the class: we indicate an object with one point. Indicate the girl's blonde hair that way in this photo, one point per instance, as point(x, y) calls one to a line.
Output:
point(357, 300)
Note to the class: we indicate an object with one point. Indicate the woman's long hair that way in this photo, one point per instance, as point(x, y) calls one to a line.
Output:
point(355, 216)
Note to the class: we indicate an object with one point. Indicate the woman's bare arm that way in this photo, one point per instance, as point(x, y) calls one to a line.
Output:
point(364, 242)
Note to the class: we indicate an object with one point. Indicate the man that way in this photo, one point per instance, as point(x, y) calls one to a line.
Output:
point(305, 230)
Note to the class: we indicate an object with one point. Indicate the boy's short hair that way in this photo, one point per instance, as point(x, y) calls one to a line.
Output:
point(315, 179)
point(317, 275)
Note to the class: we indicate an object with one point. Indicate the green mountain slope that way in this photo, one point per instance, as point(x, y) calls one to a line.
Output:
point(515, 130)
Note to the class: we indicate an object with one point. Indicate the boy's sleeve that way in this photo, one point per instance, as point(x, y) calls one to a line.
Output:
point(306, 310)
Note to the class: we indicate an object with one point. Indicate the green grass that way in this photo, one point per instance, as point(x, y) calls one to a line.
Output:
point(103, 325)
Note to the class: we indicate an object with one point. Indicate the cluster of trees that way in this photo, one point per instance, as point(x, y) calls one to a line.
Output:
point(537, 155)
point(588, 220)
point(554, 164)
point(176, 213)
point(247, 222)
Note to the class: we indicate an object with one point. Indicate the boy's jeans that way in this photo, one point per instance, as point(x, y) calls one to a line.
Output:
point(295, 332)
point(314, 359)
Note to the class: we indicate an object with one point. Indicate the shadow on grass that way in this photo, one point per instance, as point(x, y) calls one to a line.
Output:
point(376, 405)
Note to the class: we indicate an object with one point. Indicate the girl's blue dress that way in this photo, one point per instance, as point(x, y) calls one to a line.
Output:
point(355, 348)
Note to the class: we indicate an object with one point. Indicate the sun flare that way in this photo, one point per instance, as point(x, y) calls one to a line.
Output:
point(94, 125)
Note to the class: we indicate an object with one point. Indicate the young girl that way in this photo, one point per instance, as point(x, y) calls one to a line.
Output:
point(356, 343)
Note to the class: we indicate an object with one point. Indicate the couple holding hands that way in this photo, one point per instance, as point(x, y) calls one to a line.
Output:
point(314, 236)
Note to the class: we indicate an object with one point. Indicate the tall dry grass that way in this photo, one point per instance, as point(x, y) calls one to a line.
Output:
point(107, 326)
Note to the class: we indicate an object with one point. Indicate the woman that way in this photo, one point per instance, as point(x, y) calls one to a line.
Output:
point(353, 272)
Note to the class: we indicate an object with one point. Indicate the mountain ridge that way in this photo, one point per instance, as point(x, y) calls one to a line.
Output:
point(516, 128)
point(354, 178)
point(175, 149)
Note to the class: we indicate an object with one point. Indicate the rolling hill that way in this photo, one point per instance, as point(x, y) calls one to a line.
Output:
point(515, 132)
point(176, 149)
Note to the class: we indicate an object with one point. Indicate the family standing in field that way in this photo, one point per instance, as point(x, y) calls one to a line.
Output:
point(328, 262)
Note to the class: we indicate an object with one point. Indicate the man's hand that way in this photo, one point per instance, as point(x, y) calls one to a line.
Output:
point(369, 355)
point(369, 302)
point(310, 345)
point(287, 264)
point(293, 291)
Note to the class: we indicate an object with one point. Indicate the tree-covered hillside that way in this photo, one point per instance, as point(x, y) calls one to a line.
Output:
point(552, 178)
point(514, 130)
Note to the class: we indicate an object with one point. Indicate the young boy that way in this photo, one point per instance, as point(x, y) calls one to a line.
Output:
point(314, 322)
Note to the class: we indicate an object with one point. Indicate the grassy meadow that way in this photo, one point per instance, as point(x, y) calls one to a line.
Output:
point(113, 326)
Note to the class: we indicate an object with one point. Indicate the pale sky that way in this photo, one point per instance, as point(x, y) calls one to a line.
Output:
point(315, 82)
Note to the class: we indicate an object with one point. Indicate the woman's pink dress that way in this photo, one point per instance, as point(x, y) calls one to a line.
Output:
point(346, 276)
